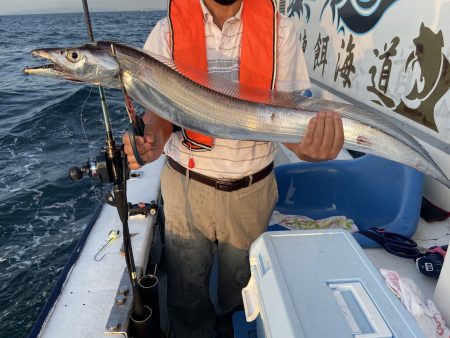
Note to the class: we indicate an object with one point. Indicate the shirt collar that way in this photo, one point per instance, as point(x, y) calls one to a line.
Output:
point(207, 17)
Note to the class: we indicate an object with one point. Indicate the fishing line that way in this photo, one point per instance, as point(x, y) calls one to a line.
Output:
point(82, 123)
point(87, 141)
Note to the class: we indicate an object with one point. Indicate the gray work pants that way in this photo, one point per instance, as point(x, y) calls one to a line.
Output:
point(199, 221)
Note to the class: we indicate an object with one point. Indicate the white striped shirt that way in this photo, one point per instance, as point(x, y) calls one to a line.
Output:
point(232, 159)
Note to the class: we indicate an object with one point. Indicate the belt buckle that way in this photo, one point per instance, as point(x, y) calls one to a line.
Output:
point(224, 185)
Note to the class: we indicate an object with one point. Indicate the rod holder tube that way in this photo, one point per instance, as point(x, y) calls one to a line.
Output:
point(148, 285)
point(140, 327)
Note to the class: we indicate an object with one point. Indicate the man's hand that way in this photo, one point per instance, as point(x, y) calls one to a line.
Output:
point(323, 140)
point(147, 147)
point(151, 145)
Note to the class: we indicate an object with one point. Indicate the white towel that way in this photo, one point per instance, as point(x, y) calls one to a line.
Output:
point(427, 316)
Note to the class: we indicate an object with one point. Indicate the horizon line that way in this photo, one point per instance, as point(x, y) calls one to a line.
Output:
point(75, 11)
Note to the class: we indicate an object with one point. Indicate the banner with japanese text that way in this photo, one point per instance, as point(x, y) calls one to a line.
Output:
point(392, 55)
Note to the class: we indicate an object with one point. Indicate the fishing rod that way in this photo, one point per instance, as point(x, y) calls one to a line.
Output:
point(105, 110)
point(137, 125)
point(111, 167)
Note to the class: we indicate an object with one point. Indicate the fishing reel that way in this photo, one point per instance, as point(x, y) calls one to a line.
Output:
point(107, 167)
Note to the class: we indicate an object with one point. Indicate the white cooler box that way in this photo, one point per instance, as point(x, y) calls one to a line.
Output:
point(320, 284)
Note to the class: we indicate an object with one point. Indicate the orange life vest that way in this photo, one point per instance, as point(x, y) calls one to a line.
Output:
point(258, 51)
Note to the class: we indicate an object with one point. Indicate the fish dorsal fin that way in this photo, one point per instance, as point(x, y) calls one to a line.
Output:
point(218, 83)
point(292, 100)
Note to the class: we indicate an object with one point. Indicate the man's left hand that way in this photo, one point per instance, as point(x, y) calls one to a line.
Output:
point(323, 140)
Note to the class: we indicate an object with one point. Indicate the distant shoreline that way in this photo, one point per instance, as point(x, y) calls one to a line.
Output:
point(56, 12)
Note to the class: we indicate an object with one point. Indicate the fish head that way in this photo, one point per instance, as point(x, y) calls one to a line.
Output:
point(93, 63)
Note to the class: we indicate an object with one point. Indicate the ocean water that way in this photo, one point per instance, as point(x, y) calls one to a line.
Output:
point(46, 127)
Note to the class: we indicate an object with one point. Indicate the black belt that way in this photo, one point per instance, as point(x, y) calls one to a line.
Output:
point(219, 184)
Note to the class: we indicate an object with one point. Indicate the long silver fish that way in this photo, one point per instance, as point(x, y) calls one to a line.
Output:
point(217, 107)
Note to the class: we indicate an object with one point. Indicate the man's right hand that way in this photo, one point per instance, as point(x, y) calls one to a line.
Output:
point(151, 145)
point(147, 148)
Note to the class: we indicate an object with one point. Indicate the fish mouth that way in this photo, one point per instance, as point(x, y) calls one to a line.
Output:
point(50, 69)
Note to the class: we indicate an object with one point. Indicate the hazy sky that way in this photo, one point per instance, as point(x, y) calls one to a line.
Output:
point(52, 6)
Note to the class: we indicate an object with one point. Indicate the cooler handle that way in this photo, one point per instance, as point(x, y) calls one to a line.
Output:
point(250, 298)
point(376, 321)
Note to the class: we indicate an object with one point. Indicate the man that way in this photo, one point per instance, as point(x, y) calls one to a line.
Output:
point(204, 215)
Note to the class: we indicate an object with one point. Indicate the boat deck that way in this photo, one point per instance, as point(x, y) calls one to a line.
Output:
point(427, 235)
point(84, 305)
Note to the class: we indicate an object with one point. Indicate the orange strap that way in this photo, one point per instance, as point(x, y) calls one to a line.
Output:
point(188, 33)
point(258, 52)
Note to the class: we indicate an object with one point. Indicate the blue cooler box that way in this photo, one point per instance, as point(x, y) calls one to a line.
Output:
point(320, 284)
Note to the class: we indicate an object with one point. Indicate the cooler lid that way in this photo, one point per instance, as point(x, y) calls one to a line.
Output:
point(321, 284)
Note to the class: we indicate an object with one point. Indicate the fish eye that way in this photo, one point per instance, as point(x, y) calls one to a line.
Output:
point(73, 55)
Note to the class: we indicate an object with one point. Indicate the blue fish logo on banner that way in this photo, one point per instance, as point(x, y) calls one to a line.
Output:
point(299, 6)
point(359, 16)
